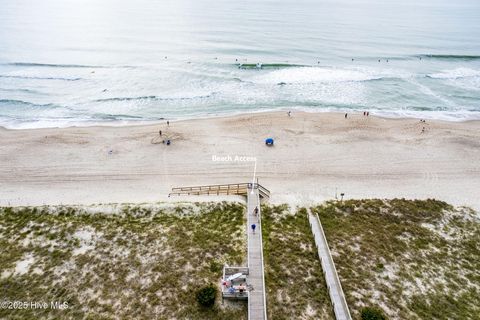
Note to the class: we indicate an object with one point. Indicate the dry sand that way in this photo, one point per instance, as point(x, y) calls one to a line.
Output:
point(315, 155)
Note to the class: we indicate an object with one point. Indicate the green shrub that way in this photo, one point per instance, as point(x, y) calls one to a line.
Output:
point(206, 296)
point(215, 266)
point(372, 313)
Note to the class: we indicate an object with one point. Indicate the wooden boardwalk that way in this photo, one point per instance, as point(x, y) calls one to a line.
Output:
point(335, 290)
point(257, 306)
point(257, 309)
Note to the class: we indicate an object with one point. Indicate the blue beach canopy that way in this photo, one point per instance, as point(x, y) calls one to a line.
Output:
point(269, 141)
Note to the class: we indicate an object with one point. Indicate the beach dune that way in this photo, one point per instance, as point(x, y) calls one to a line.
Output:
point(315, 157)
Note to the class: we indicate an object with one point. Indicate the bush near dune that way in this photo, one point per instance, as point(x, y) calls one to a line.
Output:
point(372, 313)
point(206, 296)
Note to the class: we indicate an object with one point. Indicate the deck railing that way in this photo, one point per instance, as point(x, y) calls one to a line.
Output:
point(220, 189)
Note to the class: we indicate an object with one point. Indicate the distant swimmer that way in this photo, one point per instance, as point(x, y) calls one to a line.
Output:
point(318, 62)
point(104, 90)
point(387, 60)
point(165, 57)
point(378, 60)
point(353, 59)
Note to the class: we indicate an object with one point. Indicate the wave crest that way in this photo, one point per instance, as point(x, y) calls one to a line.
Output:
point(449, 56)
point(40, 78)
point(156, 98)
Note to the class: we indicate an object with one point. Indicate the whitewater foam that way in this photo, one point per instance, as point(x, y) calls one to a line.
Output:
point(455, 73)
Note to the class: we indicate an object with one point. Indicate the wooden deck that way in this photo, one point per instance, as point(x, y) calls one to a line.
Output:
point(220, 189)
point(257, 309)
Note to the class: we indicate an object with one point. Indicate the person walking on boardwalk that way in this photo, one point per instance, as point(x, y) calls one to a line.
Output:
point(255, 211)
point(253, 228)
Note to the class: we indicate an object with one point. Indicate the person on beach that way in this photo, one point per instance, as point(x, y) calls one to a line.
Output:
point(168, 123)
point(160, 133)
point(253, 228)
point(289, 113)
point(368, 113)
point(346, 115)
point(364, 113)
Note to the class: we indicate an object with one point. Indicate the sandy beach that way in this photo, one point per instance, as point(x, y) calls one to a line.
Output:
point(316, 155)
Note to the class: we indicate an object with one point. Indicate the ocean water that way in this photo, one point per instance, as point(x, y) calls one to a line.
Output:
point(82, 62)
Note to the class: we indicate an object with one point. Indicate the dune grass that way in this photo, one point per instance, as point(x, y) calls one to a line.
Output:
point(295, 285)
point(132, 263)
point(413, 259)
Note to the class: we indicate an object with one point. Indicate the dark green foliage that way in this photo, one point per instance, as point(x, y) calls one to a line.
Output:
point(372, 313)
point(206, 296)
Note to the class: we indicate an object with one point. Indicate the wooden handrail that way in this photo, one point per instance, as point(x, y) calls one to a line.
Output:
point(217, 189)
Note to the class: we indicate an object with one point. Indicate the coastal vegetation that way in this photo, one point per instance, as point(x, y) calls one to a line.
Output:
point(295, 285)
point(414, 259)
point(128, 262)
point(397, 259)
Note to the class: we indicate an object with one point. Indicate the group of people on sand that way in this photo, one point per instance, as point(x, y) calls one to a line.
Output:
point(365, 114)
point(167, 141)
point(423, 128)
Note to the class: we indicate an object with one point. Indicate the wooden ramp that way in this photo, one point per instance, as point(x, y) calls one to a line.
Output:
point(334, 286)
point(257, 309)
